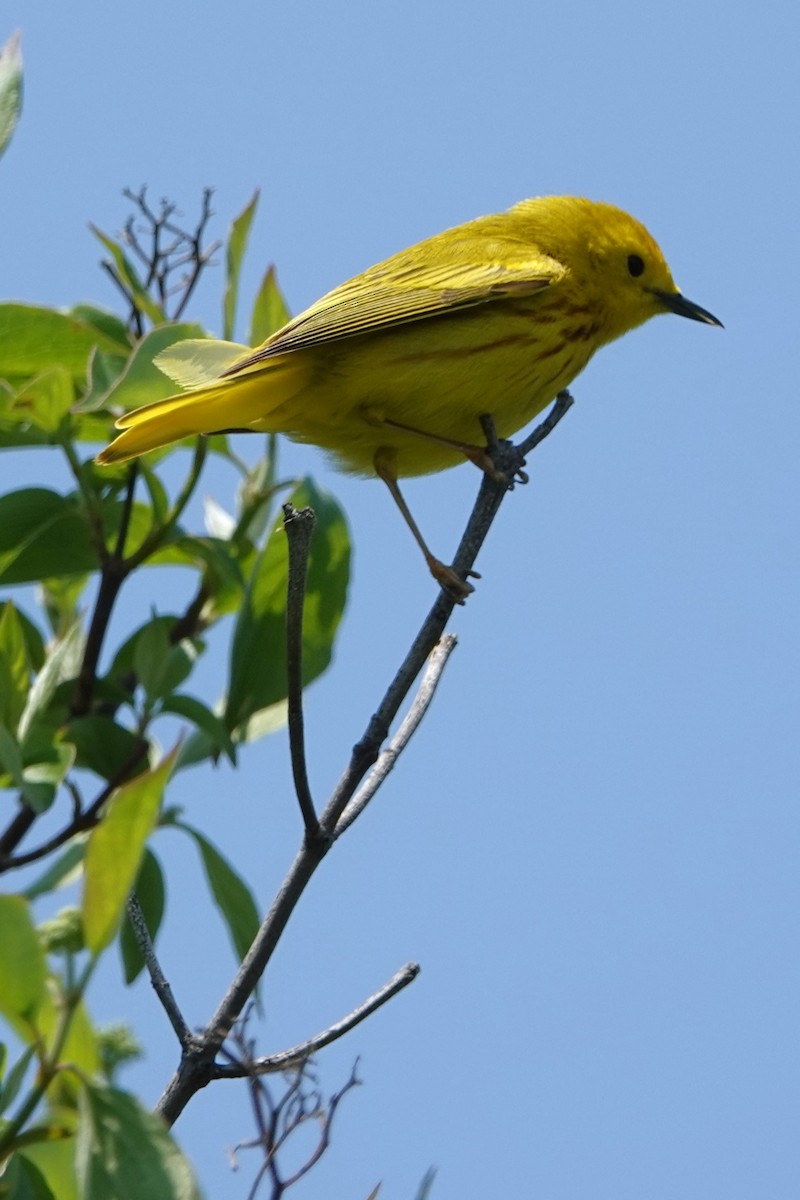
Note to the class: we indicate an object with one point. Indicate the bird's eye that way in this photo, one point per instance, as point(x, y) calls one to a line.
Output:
point(635, 265)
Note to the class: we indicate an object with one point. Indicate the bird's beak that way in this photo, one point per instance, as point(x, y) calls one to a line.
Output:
point(677, 303)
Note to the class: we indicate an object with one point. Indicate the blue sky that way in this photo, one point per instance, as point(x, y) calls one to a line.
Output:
point(591, 845)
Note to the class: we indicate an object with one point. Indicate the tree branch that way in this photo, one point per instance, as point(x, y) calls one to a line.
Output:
point(197, 1067)
point(302, 1052)
point(299, 526)
point(388, 757)
point(84, 820)
point(157, 977)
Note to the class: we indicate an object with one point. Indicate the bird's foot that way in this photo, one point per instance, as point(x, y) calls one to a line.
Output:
point(450, 581)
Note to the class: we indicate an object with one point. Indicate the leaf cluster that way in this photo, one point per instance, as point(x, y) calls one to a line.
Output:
point(82, 716)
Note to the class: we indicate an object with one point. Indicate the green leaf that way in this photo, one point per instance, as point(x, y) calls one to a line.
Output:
point(42, 778)
point(231, 894)
point(102, 375)
point(42, 535)
point(14, 669)
point(114, 852)
point(124, 1150)
point(150, 654)
point(62, 872)
point(150, 892)
point(44, 400)
point(103, 746)
point(203, 718)
point(60, 598)
point(32, 339)
point(105, 322)
point(62, 662)
point(270, 311)
point(129, 276)
point(263, 722)
point(234, 254)
point(10, 89)
point(22, 963)
point(13, 1081)
point(80, 1049)
point(141, 382)
point(54, 1158)
point(160, 666)
point(22, 1180)
point(10, 757)
point(155, 490)
point(258, 652)
point(34, 642)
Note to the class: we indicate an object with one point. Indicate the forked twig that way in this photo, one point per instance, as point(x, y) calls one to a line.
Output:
point(197, 1065)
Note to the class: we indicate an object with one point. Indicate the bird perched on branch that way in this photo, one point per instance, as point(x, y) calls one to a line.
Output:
point(392, 371)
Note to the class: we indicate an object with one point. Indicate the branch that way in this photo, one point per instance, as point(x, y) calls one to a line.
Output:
point(79, 823)
point(299, 1054)
point(388, 757)
point(113, 572)
point(508, 459)
point(196, 1067)
point(299, 526)
point(158, 536)
point(157, 977)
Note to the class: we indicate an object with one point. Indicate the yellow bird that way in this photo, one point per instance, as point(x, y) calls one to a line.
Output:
point(392, 371)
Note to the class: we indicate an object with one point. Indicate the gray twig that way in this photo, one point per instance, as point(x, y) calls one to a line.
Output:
point(389, 755)
point(299, 526)
point(197, 1065)
point(300, 1054)
point(157, 977)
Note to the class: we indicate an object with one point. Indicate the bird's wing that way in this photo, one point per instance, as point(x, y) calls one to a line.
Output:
point(413, 286)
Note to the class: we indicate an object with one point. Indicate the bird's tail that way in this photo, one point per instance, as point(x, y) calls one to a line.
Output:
point(238, 402)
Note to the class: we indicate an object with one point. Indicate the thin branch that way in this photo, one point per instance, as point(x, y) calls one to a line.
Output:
point(158, 536)
point(157, 977)
point(564, 402)
point(196, 1066)
point(389, 755)
point(299, 1054)
point(85, 820)
point(299, 526)
point(508, 460)
point(199, 257)
point(113, 572)
point(325, 1133)
point(94, 512)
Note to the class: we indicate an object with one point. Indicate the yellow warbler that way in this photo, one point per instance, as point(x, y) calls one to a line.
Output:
point(392, 371)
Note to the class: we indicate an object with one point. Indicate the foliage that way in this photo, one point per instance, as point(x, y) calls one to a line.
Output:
point(80, 716)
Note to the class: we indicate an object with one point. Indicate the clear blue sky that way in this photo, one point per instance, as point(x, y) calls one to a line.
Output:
point(592, 844)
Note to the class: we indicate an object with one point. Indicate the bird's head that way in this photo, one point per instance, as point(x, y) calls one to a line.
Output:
point(613, 259)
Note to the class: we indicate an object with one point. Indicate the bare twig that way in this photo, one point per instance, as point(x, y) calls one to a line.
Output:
point(508, 460)
point(196, 1067)
point(268, 1064)
point(389, 755)
point(299, 526)
point(564, 402)
point(277, 1120)
point(157, 977)
point(162, 258)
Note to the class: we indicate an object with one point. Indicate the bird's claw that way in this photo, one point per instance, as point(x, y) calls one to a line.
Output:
point(450, 581)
